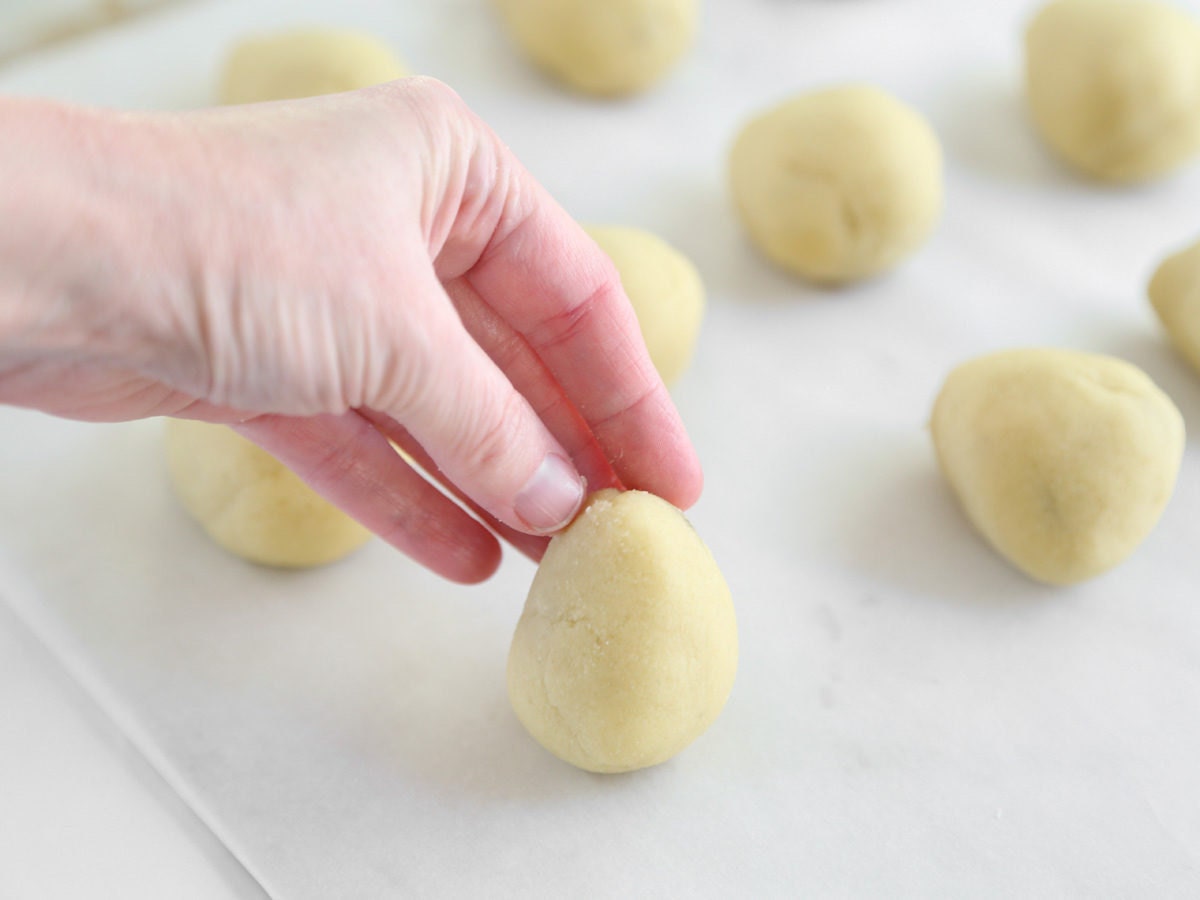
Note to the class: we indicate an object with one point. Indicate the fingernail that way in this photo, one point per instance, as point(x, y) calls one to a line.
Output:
point(551, 497)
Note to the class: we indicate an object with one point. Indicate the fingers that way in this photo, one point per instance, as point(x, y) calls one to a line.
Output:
point(346, 460)
point(529, 375)
point(546, 277)
point(479, 430)
point(533, 546)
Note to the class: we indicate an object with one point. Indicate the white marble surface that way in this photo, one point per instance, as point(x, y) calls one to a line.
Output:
point(911, 718)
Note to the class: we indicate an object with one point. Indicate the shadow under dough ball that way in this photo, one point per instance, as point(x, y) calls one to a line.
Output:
point(627, 647)
point(664, 289)
point(602, 47)
point(307, 62)
point(838, 184)
point(1114, 86)
point(1063, 461)
point(250, 503)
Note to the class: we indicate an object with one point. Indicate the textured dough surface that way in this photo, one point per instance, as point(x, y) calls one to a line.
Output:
point(665, 290)
point(1063, 461)
point(627, 648)
point(305, 63)
point(838, 184)
point(1175, 295)
point(1114, 85)
point(250, 503)
point(603, 47)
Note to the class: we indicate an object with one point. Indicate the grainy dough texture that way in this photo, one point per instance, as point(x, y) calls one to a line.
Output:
point(603, 47)
point(839, 184)
point(665, 290)
point(1175, 295)
point(1062, 460)
point(250, 503)
point(1114, 85)
point(627, 648)
point(305, 63)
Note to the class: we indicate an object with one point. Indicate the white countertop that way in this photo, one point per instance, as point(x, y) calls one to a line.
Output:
point(911, 718)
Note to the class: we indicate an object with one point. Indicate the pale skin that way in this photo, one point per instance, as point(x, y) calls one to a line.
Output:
point(326, 276)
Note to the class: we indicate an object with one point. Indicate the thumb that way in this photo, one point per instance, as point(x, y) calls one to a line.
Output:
point(483, 434)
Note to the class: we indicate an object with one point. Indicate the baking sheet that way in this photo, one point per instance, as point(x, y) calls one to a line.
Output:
point(911, 716)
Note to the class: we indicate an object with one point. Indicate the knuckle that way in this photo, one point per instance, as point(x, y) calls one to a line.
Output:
point(404, 382)
point(568, 322)
point(432, 90)
point(488, 440)
point(627, 406)
point(434, 103)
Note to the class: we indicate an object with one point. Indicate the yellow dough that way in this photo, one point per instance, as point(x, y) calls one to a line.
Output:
point(1063, 461)
point(665, 290)
point(627, 648)
point(252, 504)
point(1114, 85)
point(604, 47)
point(305, 63)
point(839, 184)
point(1175, 295)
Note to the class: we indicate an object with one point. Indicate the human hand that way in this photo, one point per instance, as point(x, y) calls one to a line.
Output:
point(327, 275)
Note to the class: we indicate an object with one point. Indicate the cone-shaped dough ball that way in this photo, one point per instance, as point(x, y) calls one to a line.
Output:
point(627, 647)
point(1175, 295)
point(839, 184)
point(604, 47)
point(1064, 461)
point(1114, 85)
point(665, 290)
point(252, 504)
point(305, 63)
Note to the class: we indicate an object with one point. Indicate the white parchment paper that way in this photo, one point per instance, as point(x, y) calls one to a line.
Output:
point(912, 718)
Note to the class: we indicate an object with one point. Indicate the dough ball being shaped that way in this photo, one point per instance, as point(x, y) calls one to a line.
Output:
point(1114, 85)
point(839, 184)
point(603, 47)
point(1175, 295)
point(627, 647)
point(250, 503)
point(665, 290)
point(1063, 461)
point(305, 63)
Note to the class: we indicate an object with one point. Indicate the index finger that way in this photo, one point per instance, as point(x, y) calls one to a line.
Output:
point(548, 279)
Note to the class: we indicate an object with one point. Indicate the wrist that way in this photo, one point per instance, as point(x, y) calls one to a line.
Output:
point(81, 235)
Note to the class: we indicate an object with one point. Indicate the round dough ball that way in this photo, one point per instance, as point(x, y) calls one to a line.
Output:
point(665, 290)
point(607, 48)
point(1114, 85)
point(1175, 295)
point(252, 504)
point(1063, 461)
point(627, 648)
point(839, 184)
point(305, 63)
